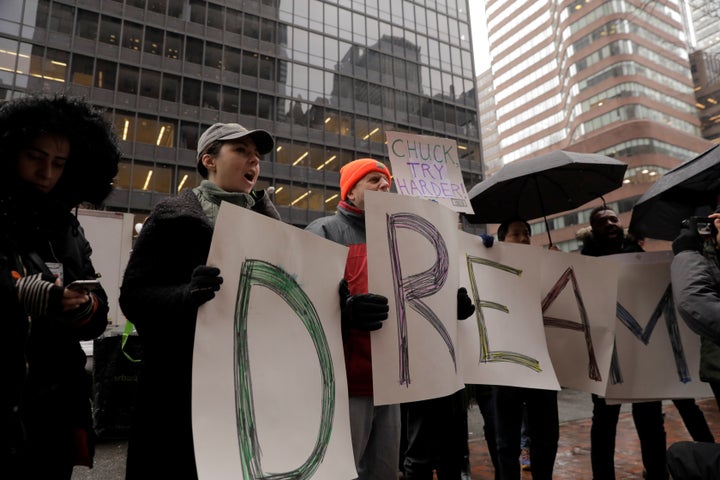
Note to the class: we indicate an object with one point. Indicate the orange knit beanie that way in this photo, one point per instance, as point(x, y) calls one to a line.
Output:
point(354, 171)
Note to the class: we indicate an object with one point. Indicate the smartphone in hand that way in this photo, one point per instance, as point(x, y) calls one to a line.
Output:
point(84, 285)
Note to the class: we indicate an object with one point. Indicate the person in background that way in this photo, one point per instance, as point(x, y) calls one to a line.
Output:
point(511, 402)
point(695, 275)
point(56, 153)
point(165, 282)
point(607, 237)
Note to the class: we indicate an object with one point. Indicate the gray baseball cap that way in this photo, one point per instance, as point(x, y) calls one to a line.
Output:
point(232, 131)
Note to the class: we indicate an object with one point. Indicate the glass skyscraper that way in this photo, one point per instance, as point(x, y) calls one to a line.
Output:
point(603, 76)
point(327, 78)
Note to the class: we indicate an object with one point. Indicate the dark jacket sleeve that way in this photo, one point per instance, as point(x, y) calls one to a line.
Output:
point(264, 205)
point(94, 325)
point(171, 244)
point(696, 290)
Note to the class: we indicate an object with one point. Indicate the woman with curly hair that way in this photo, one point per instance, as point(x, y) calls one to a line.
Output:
point(55, 153)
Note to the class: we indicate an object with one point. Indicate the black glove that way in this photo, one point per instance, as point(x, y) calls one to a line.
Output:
point(465, 307)
point(688, 240)
point(487, 240)
point(39, 295)
point(205, 281)
point(364, 311)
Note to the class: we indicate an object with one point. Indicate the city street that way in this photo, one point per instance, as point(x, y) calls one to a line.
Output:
point(573, 460)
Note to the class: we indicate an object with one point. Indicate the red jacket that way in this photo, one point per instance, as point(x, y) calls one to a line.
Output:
point(347, 227)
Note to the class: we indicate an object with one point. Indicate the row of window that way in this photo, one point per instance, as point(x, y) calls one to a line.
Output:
point(168, 180)
point(42, 65)
point(583, 216)
point(164, 132)
point(291, 37)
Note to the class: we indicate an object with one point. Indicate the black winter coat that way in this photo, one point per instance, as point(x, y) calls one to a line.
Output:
point(154, 296)
point(46, 405)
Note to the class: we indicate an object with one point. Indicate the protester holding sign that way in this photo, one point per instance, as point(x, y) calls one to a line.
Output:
point(56, 153)
point(607, 237)
point(165, 282)
point(375, 430)
point(542, 408)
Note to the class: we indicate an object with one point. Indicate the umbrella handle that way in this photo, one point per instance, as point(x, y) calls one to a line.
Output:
point(542, 207)
point(547, 229)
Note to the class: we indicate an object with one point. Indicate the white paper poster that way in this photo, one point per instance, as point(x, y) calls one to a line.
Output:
point(428, 167)
point(503, 343)
point(269, 384)
point(412, 260)
point(578, 303)
point(657, 356)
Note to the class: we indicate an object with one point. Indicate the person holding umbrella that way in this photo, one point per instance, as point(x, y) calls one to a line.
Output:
point(542, 408)
point(56, 152)
point(607, 237)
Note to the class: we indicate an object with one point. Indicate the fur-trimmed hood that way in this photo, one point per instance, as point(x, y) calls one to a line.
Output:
point(94, 151)
point(592, 247)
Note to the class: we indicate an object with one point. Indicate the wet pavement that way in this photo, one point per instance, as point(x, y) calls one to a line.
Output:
point(573, 459)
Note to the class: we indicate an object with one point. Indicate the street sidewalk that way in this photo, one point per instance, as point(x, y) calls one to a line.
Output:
point(573, 459)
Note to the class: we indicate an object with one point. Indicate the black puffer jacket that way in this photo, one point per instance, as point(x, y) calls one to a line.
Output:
point(154, 295)
point(53, 400)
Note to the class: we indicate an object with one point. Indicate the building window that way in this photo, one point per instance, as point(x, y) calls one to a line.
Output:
point(109, 30)
point(230, 99)
point(105, 73)
point(87, 25)
point(132, 36)
point(191, 92)
point(153, 41)
point(62, 19)
point(194, 50)
point(173, 45)
point(82, 70)
point(150, 84)
point(128, 81)
point(170, 88)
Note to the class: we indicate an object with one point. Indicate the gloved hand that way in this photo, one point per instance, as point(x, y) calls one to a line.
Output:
point(205, 281)
point(688, 240)
point(364, 311)
point(487, 240)
point(39, 295)
point(465, 307)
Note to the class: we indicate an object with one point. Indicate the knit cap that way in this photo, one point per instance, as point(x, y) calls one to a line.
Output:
point(354, 171)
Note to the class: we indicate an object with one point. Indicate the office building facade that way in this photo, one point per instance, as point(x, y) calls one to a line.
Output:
point(327, 78)
point(609, 77)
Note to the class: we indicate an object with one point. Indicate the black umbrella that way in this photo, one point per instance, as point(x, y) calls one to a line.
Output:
point(677, 195)
point(547, 184)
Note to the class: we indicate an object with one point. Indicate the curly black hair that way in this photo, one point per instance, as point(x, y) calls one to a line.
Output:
point(94, 151)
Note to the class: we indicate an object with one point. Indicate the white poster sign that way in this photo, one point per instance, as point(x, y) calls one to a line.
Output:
point(428, 167)
point(269, 384)
point(656, 354)
point(412, 260)
point(578, 304)
point(504, 342)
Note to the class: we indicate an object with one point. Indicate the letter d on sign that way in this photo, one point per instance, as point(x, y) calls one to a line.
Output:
point(258, 272)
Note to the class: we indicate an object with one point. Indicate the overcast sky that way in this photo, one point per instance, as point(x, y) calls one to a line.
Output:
point(479, 35)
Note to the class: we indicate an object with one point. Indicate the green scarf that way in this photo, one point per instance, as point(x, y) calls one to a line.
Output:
point(210, 196)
